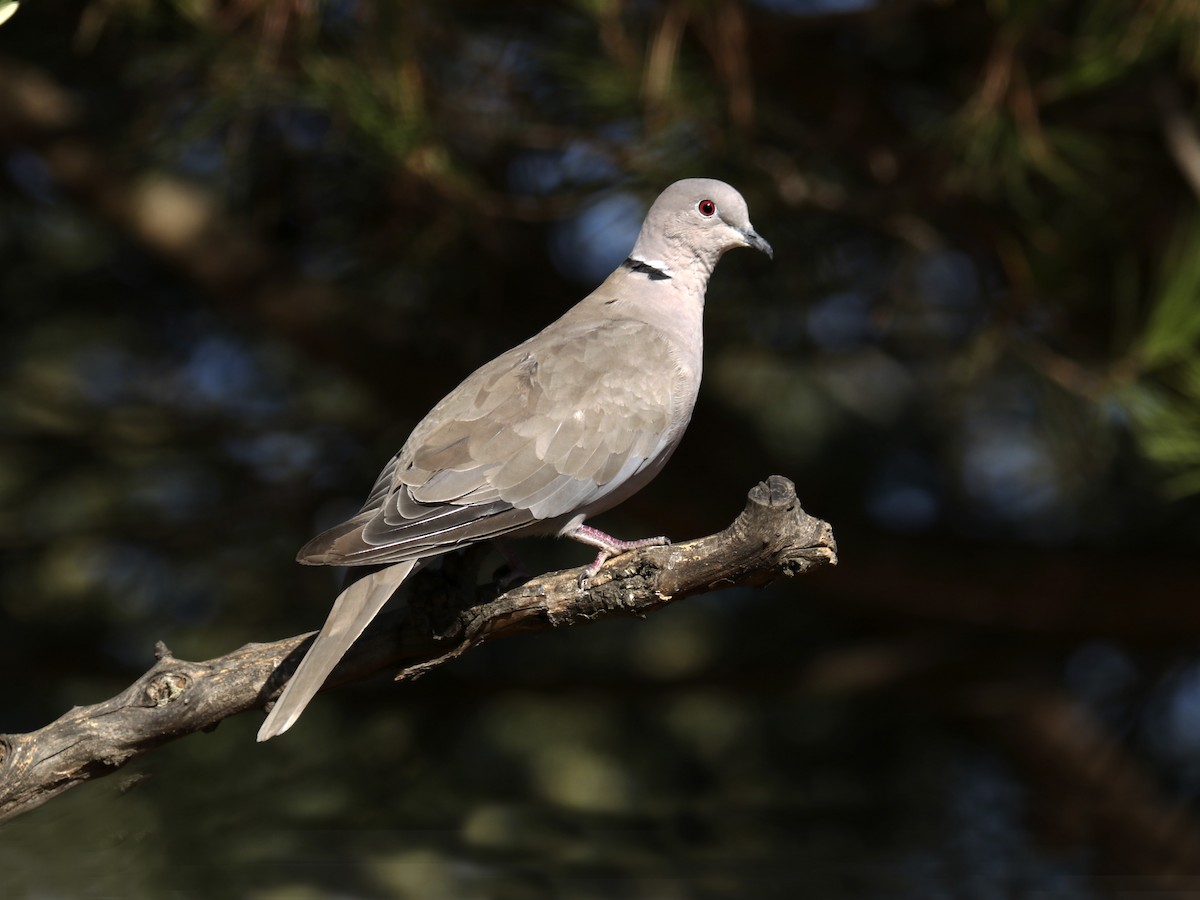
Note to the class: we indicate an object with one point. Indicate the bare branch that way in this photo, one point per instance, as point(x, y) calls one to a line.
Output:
point(440, 617)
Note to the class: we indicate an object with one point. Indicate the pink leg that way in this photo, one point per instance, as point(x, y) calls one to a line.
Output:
point(608, 545)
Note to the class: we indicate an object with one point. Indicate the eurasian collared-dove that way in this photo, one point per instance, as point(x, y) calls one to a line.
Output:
point(560, 428)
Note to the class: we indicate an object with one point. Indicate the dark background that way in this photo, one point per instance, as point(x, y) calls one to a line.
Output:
point(245, 245)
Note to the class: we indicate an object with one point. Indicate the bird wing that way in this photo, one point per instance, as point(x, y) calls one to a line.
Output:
point(542, 431)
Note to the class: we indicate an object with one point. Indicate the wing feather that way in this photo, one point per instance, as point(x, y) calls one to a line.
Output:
point(541, 432)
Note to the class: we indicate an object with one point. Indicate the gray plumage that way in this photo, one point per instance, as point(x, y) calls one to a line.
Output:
point(560, 428)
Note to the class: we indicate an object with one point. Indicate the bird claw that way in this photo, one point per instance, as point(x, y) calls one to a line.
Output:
point(609, 548)
point(592, 568)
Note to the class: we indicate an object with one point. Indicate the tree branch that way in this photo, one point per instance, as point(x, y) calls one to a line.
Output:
point(439, 618)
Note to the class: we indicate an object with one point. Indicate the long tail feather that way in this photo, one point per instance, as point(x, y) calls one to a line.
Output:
point(352, 612)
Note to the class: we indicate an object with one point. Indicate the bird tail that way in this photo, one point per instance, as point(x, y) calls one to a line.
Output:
point(353, 610)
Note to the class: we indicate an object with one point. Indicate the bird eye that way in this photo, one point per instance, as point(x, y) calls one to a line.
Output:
point(706, 207)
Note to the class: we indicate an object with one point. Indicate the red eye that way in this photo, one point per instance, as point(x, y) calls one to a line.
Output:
point(706, 207)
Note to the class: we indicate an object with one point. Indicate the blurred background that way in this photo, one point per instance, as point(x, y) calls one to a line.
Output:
point(245, 245)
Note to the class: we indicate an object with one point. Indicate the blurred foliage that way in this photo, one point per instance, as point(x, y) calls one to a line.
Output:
point(1165, 408)
point(245, 244)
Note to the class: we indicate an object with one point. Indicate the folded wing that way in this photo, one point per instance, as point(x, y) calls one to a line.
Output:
point(543, 431)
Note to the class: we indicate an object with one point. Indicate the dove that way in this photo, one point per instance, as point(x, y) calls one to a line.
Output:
point(558, 429)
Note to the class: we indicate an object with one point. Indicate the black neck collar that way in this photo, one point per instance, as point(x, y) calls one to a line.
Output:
point(644, 268)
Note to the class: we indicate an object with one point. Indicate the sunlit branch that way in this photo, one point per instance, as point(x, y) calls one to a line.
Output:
point(442, 616)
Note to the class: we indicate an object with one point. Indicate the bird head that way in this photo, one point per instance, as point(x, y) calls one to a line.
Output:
point(691, 224)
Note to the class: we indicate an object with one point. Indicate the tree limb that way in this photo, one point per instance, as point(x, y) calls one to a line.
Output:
point(440, 617)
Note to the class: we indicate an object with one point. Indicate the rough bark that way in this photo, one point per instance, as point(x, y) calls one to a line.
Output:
point(442, 615)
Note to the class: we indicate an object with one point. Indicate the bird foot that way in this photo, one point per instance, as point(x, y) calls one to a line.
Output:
point(609, 547)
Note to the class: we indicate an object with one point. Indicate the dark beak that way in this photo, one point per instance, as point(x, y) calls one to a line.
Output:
point(755, 240)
